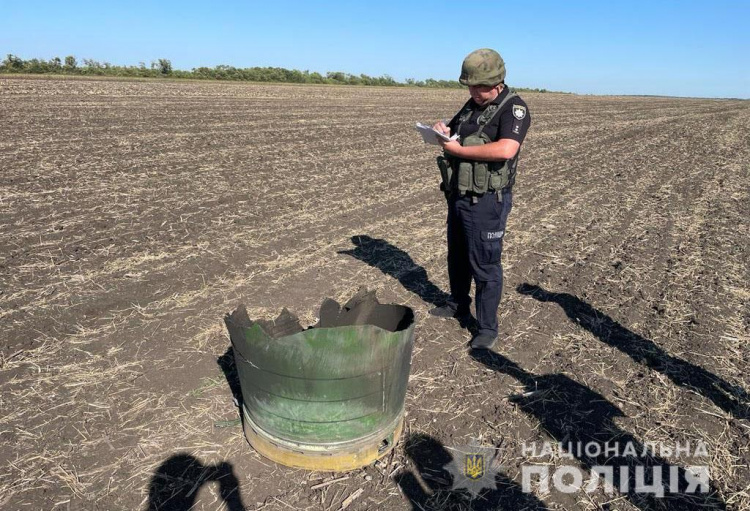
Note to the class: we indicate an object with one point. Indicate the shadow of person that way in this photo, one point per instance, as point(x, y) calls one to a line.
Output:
point(431, 458)
point(730, 398)
point(396, 263)
point(583, 421)
point(175, 484)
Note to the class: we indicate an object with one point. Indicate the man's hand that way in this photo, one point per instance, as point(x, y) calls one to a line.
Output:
point(452, 147)
point(503, 149)
point(442, 128)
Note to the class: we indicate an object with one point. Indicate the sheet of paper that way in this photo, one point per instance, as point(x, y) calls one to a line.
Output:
point(430, 136)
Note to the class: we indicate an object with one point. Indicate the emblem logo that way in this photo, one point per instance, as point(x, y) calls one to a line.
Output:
point(474, 466)
point(519, 111)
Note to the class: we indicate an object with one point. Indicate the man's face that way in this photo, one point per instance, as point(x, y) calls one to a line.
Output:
point(483, 94)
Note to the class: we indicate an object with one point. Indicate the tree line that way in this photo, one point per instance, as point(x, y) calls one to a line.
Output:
point(162, 68)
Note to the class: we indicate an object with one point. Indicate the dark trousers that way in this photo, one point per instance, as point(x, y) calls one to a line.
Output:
point(475, 247)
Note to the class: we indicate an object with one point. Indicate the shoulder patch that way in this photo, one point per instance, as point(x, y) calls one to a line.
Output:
point(519, 111)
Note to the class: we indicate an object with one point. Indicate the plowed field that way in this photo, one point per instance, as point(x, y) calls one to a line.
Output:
point(135, 214)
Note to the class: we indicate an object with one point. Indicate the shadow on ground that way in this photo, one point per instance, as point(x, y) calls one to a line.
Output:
point(228, 367)
point(175, 484)
point(575, 415)
point(730, 398)
point(398, 264)
point(430, 458)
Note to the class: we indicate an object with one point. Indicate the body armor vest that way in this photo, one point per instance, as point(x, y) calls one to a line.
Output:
point(475, 176)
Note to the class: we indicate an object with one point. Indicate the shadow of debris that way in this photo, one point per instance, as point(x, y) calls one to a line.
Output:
point(430, 458)
point(228, 367)
point(175, 484)
point(730, 398)
point(398, 264)
point(578, 417)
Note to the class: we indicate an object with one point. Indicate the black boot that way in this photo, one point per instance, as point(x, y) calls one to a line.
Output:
point(448, 311)
point(483, 341)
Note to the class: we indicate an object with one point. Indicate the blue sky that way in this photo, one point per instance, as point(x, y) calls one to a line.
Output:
point(679, 48)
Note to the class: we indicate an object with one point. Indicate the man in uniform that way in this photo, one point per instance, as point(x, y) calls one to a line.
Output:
point(478, 172)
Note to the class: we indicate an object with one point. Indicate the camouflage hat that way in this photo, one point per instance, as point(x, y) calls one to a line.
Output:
point(482, 67)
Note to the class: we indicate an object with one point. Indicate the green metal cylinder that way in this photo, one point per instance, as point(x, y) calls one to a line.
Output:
point(326, 389)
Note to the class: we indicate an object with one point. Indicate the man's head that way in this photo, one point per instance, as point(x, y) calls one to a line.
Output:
point(484, 94)
point(483, 67)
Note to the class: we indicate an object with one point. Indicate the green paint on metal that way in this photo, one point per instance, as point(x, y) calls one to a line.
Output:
point(326, 385)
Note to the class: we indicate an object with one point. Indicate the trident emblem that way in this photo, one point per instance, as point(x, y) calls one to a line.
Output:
point(474, 466)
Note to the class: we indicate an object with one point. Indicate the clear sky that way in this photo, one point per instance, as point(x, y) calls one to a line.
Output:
point(678, 48)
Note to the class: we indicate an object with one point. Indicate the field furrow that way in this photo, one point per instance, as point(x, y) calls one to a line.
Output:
point(135, 214)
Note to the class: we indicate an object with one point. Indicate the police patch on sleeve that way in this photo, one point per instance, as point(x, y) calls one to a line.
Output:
point(519, 111)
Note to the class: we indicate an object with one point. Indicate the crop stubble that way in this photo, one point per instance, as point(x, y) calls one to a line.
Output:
point(135, 214)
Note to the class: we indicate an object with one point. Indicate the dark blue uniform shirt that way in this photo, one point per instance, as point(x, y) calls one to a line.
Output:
point(512, 122)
